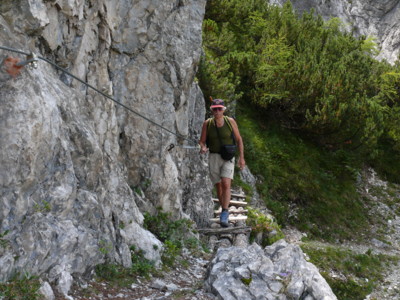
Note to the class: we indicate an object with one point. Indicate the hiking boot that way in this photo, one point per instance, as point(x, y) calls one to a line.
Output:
point(224, 217)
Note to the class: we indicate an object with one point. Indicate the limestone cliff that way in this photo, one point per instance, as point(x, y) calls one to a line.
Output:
point(76, 170)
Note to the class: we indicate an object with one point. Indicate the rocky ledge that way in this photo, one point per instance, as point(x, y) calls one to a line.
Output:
point(279, 271)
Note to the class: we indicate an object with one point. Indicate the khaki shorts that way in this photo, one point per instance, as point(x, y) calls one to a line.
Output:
point(220, 168)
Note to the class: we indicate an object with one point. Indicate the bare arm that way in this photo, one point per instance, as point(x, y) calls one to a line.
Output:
point(239, 142)
point(203, 138)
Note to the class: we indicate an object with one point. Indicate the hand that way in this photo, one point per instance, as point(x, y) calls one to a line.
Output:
point(241, 164)
point(203, 149)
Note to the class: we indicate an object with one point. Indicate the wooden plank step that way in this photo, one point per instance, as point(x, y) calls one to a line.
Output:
point(232, 211)
point(237, 230)
point(233, 202)
point(238, 196)
point(231, 218)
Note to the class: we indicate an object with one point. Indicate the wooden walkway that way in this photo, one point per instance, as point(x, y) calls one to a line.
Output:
point(237, 234)
point(237, 211)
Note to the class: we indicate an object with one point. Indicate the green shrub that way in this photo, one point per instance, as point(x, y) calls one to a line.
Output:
point(140, 265)
point(247, 281)
point(172, 250)
point(308, 74)
point(3, 242)
point(175, 234)
point(264, 225)
point(21, 287)
point(165, 228)
point(123, 277)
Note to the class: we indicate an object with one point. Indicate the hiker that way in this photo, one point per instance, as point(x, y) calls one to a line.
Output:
point(217, 131)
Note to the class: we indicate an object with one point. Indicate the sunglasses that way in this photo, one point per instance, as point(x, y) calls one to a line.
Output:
point(217, 109)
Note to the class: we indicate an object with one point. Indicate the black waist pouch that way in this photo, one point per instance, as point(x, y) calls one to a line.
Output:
point(228, 151)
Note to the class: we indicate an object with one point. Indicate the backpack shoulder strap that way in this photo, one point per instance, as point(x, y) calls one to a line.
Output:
point(209, 122)
point(226, 119)
point(230, 127)
point(228, 122)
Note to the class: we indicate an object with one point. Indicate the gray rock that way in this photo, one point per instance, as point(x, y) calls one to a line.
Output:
point(46, 291)
point(172, 287)
point(277, 272)
point(379, 244)
point(71, 160)
point(64, 283)
point(159, 284)
point(250, 179)
point(241, 240)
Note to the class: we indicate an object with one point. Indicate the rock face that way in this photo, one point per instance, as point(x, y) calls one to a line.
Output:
point(277, 272)
point(379, 19)
point(76, 170)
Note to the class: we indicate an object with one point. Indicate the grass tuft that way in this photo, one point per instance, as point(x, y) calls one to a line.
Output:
point(21, 287)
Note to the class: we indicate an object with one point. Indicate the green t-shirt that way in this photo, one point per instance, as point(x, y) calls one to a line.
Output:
point(225, 133)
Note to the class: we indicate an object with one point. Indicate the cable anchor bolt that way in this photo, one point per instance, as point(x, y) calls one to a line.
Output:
point(31, 61)
point(170, 147)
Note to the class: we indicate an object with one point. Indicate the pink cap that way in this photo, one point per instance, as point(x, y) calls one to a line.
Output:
point(217, 103)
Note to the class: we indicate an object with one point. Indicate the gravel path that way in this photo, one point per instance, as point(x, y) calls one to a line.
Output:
point(180, 283)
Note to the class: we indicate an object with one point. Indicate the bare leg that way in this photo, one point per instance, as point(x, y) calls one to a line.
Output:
point(224, 192)
point(224, 197)
point(218, 187)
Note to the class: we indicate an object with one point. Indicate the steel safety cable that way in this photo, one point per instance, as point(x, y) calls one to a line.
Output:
point(103, 94)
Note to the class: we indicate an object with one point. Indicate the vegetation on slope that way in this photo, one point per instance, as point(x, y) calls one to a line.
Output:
point(311, 75)
point(314, 108)
point(350, 275)
point(301, 183)
point(325, 107)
